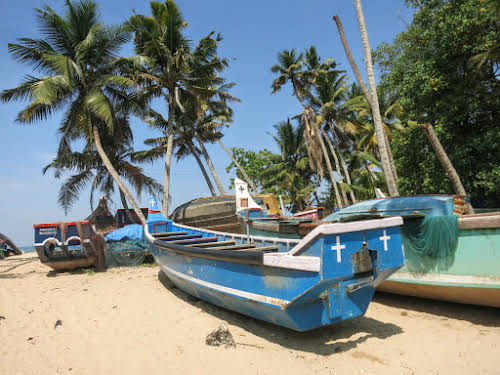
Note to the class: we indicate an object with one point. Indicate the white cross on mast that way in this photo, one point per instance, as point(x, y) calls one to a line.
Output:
point(338, 247)
point(385, 238)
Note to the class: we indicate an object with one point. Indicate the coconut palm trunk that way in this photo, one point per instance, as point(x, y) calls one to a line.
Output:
point(379, 130)
point(353, 64)
point(168, 154)
point(203, 170)
point(116, 177)
point(242, 171)
point(446, 163)
point(347, 177)
point(373, 178)
point(125, 207)
point(330, 173)
point(337, 168)
point(211, 166)
point(362, 85)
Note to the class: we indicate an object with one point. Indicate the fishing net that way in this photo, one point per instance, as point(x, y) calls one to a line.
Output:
point(430, 243)
point(126, 246)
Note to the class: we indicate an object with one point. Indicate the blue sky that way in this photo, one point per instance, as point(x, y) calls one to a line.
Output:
point(254, 33)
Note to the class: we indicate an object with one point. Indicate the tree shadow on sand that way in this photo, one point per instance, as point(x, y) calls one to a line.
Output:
point(340, 337)
point(482, 315)
point(9, 265)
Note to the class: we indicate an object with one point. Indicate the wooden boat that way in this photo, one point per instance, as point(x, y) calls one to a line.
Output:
point(327, 277)
point(468, 273)
point(65, 246)
point(257, 220)
point(7, 247)
point(217, 213)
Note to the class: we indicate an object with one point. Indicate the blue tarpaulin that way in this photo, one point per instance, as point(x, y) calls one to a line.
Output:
point(129, 232)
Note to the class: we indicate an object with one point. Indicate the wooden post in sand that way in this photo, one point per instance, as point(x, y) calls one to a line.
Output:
point(99, 244)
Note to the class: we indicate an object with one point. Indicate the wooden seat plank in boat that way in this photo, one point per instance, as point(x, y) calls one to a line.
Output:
point(270, 249)
point(164, 234)
point(193, 240)
point(234, 247)
point(213, 244)
point(183, 237)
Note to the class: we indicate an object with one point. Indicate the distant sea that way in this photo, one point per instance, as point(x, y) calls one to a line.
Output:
point(27, 249)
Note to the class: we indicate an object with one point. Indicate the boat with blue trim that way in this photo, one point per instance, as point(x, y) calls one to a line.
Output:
point(325, 278)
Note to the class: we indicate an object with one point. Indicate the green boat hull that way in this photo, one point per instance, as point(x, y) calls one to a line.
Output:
point(470, 275)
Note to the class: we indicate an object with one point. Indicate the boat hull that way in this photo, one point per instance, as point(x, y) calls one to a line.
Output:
point(328, 277)
point(472, 295)
point(65, 246)
point(213, 213)
point(470, 275)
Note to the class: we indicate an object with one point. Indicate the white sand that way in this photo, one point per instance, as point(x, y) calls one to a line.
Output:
point(126, 321)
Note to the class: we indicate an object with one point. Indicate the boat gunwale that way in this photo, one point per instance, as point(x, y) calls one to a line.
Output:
point(289, 260)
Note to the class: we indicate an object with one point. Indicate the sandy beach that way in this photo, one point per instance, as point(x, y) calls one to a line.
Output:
point(133, 321)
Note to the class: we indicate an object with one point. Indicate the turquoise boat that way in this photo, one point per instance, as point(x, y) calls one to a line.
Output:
point(448, 256)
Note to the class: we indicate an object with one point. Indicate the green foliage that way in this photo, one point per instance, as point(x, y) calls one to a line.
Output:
point(288, 173)
point(254, 163)
point(430, 69)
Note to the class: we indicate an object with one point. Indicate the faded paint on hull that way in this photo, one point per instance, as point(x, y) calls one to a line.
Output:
point(451, 293)
point(471, 275)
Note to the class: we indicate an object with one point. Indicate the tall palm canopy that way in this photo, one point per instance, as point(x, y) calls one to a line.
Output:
point(77, 55)
point(87, 167)
point(171, 69)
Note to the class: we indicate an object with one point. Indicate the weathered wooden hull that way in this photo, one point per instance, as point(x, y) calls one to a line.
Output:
point(271, 228)
point(328, 277)
point(459, 293)
point(65, 246)
point(216, 213)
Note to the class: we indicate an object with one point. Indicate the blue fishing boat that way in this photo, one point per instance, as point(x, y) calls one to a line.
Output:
point(327, 277)
point(65, 246)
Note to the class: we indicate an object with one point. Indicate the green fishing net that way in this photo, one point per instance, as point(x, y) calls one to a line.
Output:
point(125, 253)
point(430, 243)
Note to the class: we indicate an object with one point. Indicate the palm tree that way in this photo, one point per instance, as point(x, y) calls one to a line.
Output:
point(289, 173)
point(89, 169)
point(171, 67)
point(330, 99)
point(390, 114)
point(77, 53)
point(290, 68)
point(379, 131)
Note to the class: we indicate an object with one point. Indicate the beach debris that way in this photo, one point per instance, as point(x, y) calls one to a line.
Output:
point(221, 336)
point(404, 313)
point(30, 338)
point(57, 323)
point(2, 317)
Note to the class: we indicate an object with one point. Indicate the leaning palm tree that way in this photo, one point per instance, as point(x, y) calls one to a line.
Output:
point(77, 54)
point(335, 108)
point(87, 168)
point(171, 67)
point(291, 68)
point(379, 131)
